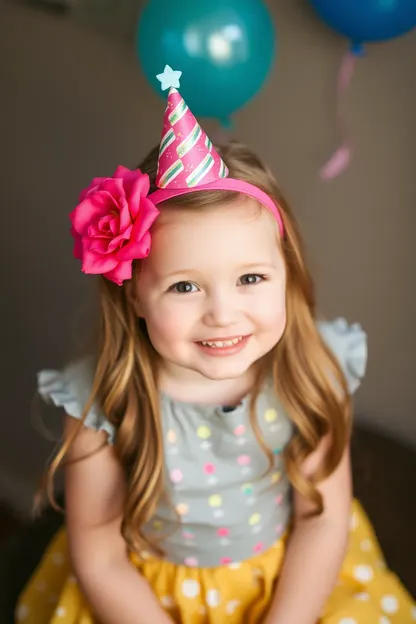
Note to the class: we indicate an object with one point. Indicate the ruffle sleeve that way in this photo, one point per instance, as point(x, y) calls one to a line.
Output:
point(70, 389)
point(349, 345)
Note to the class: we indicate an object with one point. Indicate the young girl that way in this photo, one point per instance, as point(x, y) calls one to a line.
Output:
point(206, 450)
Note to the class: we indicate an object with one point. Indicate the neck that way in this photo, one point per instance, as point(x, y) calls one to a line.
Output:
point(191, 387)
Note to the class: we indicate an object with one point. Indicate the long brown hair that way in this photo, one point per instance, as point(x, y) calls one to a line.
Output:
point(307, 377)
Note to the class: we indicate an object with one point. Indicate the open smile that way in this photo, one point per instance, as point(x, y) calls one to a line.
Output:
point(224, 346)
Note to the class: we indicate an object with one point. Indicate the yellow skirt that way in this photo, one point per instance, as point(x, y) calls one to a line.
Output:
point(366, 592)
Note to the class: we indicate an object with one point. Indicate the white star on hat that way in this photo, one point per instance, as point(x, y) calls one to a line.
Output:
point(169, 78)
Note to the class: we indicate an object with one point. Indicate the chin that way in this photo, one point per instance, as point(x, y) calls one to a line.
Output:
point(222, 371)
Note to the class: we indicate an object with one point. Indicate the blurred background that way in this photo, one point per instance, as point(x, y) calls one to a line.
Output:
point(75, 103)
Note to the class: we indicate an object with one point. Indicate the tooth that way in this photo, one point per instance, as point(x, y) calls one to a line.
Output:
point(222, 343)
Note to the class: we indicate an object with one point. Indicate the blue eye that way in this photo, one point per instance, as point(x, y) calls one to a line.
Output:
point(251, 278)
point(182, 288)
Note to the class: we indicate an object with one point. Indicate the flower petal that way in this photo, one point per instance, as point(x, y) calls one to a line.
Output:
point(137, 188)
point(117, 242)
point(123, 271)
point(113, 186)
point(135, 250)
point(77, 244)
point(93, 186)
point(95, 262)
point(121, 172)
point(147, 216)
point(90, 210)
point(99, 245)
point(125, 218)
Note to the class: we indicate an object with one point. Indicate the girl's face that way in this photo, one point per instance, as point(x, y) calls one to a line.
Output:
point(212, 290)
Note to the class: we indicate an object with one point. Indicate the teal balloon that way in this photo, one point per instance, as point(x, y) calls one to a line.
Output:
point(225, 49)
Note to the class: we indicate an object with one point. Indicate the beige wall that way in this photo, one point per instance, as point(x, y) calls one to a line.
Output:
point(75, 104)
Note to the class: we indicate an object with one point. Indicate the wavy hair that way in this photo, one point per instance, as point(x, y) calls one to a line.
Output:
point(306, 375)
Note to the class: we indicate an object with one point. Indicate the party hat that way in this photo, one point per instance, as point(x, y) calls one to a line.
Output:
point(187, 157)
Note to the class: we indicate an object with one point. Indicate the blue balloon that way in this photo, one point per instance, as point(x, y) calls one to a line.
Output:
point(368, 20)
point(225, 49)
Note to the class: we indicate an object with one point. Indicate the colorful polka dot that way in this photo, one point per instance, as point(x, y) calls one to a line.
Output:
point(363, 573)
point(190, 588)
point(278, 499)
point(191, 562)
point(171, 436)
point(209, 469)
point(389, 604)
point(22, 612)
point(258, 547)
point(188, 534)
point(277, 451)
point(182, 509)
point(362, 596)
point(247, 489)
point(203, 432)
point(366, 545)
point(167, 601)
point(231, 606)
point(215, 500)
point(244, 460)
point(276, 477)
point(353, 521)
point(270, 415)
point(176, 475)
point(223, 532)
point(157, 525)
point(213, 598)
point(240, 430)
point(254, 519)
point(226, 561)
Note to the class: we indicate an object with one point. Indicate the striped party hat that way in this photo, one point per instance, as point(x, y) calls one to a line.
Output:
point(187, 157)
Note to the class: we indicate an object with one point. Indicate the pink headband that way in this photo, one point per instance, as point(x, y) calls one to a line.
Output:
point(111, 224)
point(225, 184)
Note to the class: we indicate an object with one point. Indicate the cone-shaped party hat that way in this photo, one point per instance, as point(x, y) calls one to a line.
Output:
point(187, 157)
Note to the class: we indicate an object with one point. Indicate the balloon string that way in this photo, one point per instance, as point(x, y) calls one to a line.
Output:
point(341, 158)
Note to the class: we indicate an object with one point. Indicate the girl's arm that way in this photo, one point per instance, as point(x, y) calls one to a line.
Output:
point(95, 490)
point(316, 548)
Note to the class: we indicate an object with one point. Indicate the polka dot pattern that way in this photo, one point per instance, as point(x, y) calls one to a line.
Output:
point(363, 573)
point(270, 415)
point(203, 432)
point(389, 604)
point(213, 598)
point(215, 500)
point(190, 588)
point(254, 519)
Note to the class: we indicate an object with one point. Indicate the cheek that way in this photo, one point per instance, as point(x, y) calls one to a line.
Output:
point(271, 311)
point(167, 326)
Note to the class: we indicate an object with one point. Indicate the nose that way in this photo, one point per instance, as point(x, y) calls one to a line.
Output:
point(221, 309)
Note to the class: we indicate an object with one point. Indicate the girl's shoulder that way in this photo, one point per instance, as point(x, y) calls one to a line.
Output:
point(349, 345)
point(70, 388)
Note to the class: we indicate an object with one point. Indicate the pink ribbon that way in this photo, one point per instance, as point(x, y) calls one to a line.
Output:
point(341, 158)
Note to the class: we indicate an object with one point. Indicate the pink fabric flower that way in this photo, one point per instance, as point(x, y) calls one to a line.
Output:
point(111, 224)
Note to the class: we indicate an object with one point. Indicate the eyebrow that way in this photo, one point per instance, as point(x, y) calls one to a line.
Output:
point(243, 267)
